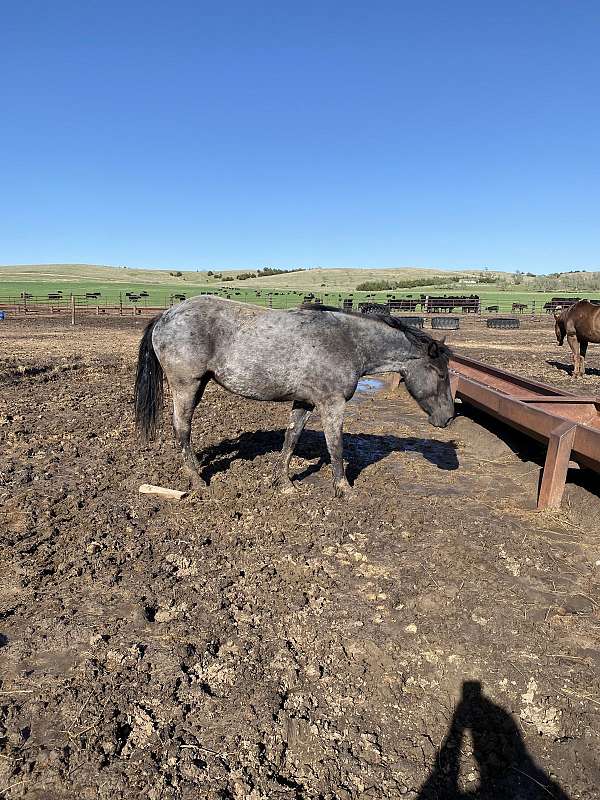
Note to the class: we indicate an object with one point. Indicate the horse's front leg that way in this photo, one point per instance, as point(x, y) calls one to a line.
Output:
point(583, 345)
point(298, 419)
point(574, 345)
point(332, 418)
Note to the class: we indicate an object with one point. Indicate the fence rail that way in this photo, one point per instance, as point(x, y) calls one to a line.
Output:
point(126, 305)
point(131, 304)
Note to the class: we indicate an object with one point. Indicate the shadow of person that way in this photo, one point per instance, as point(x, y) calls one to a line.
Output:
point(360, 451)
point(506, 770)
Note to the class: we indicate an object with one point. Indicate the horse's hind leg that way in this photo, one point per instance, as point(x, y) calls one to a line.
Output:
point(185, 399)
point(332, 419)
point(298, 419)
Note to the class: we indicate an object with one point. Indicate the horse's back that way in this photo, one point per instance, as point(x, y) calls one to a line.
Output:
point(188, 334)
point(253, 351)
point(583, 319)
point(207, 315)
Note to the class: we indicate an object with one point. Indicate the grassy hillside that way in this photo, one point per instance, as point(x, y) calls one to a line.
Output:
point(331, 284)
point(82, 275)
point(87, 274)
point(348, 279)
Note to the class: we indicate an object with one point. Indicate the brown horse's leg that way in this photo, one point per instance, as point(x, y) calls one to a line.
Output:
point(574, 345)
point(185, 399)
point(583, 344)
point(298, 419)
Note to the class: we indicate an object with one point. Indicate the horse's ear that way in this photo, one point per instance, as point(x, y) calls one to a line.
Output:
point(433, 350)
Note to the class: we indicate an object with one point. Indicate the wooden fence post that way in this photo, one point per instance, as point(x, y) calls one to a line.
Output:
point(72, 309)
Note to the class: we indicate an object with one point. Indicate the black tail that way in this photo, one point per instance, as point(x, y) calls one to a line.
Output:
point(148, 392)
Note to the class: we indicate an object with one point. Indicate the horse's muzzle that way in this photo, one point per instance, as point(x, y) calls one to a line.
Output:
point(440, 421)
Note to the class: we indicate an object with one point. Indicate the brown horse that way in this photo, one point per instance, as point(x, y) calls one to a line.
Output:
point(580, 323)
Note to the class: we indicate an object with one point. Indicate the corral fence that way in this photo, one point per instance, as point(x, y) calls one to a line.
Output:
point(142, 303)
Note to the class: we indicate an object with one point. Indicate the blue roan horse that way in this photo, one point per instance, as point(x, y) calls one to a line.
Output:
point(313, 357)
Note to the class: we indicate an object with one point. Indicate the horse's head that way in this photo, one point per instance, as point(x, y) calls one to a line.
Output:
point(427, 381)
point(559, 326)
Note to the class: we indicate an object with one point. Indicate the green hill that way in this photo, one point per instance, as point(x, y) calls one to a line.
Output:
point(77, 278)
point(494, 287)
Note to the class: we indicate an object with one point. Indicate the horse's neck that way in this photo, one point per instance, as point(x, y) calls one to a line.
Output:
point(595, 323)
point(387, 351)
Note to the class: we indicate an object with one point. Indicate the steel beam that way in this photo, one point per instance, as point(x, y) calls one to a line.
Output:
point(569, 424)
point(558, 456)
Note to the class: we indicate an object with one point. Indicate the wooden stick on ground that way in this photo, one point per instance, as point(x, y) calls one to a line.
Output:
point(161, 491)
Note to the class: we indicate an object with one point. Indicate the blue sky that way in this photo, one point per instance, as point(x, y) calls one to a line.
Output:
point(251, 134)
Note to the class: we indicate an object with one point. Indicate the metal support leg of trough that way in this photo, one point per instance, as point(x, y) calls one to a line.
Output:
point(454, 381)
point(395, 380)
point(554, 476)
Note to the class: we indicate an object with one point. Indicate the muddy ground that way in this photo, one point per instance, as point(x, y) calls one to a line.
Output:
point(435, 638)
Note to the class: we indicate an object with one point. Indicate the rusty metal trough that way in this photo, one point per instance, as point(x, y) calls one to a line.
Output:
point(568, 423)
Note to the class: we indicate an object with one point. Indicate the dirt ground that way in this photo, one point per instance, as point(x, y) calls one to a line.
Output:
point(434, 638)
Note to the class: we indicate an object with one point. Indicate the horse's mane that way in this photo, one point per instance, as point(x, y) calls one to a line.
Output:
point(414, 335)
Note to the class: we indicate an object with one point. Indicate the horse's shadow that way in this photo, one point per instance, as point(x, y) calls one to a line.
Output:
point(360, 451)
point(568, 368)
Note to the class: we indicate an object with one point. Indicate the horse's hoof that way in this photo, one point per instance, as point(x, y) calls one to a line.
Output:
point(201, 493)
point(283, 485)
point(345, 491)
point(196, 482)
